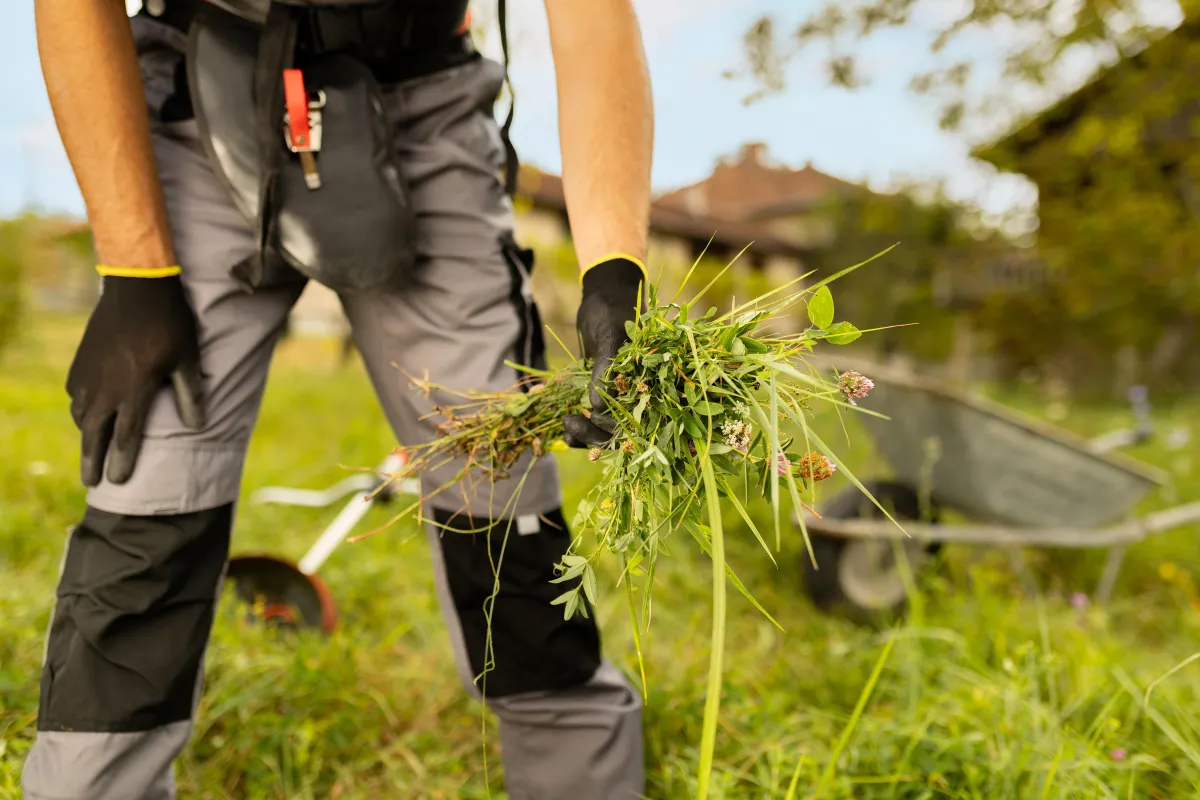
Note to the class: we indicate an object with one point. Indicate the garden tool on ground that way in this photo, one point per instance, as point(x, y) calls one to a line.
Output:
point(279, 591)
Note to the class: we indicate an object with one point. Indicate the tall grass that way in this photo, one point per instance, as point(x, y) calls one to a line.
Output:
point(987, 692)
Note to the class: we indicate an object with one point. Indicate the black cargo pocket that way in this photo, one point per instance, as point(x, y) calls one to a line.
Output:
point(533, 648)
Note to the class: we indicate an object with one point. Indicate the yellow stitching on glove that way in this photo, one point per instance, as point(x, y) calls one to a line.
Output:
point(138, 272)
point(611, 256)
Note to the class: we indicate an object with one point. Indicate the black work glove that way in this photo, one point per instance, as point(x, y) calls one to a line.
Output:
point(610, 299)
point(141, 335)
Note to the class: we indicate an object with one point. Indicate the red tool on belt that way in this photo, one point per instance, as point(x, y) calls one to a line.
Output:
point(302, 124)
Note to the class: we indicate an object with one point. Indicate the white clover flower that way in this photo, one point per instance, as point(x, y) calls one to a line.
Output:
point(736, 434)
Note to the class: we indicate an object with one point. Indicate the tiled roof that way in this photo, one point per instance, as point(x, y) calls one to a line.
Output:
point(546, 191)
point(731, 206)
point(739, 190)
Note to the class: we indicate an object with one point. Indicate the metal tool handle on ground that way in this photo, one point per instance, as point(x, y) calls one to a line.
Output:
point(314, 498)
point(367, 489)
point(321, 498)
point(352, 513)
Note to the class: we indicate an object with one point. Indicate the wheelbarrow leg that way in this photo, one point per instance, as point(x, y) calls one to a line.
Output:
point(1108, 578)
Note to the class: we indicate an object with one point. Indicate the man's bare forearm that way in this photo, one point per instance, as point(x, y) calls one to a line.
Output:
point(90, 66)
point(606, 124)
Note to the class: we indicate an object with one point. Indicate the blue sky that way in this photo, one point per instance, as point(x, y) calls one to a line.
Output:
point(879, 134)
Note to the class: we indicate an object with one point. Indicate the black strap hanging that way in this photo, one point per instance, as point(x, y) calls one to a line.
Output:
point(511, 161)
point(275, 54)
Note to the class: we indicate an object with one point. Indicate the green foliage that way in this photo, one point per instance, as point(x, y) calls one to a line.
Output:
point(10, 282)
point(1116, 162)
point(989, 693)
point(698, 404)
point(1046, 37)
point(1118, 169)
point(930, 237)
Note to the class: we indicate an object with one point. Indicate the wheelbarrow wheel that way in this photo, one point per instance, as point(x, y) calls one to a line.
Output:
point(862, 578)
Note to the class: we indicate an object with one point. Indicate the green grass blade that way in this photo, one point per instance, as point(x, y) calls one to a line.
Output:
point(688, 276)
point(791, 790)
point(1169, 730)
point(717, 277)
point(1150, 689)
point(863, 697)
point(1052, 772)
point(773, 445)
point(712, 701)
point(734, 579)
point(749, 522)
point(637, 636)
point(851, 268)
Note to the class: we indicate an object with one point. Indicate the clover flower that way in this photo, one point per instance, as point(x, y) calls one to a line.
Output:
point(816, 467)
point(736, 434)
point(855, 386)
point(783, 464)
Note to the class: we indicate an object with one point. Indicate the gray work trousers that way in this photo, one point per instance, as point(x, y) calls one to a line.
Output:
point(134, 605)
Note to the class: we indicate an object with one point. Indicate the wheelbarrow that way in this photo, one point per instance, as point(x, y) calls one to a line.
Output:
point(290, 594)
point(1017, 481)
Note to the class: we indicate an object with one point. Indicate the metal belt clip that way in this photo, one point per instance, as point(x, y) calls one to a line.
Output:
point(302, 124)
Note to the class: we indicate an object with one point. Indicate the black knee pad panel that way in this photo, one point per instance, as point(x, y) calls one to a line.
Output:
point(533, 647)
point(133, 614)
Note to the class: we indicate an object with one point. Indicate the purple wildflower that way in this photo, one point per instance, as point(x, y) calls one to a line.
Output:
point(1119, 754)
point(1079, 601)
point(783, 464)
point(855, 386)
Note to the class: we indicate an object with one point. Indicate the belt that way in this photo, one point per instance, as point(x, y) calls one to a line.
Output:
point(394, 43)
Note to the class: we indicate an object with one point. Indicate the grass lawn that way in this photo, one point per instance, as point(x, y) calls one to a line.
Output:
point(988, 692)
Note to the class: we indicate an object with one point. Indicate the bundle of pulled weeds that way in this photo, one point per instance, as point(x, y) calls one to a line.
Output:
point(710, 410)
point(688, 393)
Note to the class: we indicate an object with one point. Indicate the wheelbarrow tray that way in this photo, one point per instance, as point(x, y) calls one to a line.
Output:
point(992, 463)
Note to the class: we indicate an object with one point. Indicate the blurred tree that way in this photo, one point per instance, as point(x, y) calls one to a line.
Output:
point(1116, 162)
point(1046, 39)
point(1117, 165)
point(911, 291)
point(899, 290)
